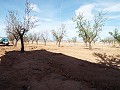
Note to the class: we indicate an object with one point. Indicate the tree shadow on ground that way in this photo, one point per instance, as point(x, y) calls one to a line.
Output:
point(44, 70)
point(108, 60)
point(92, 48)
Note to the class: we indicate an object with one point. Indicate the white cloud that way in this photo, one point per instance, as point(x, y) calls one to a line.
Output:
point(46, 19)
point(114, 17)
point(105, 3)
point(35, 7)
point(86, 10)
point(108, 5)
point(113, 8)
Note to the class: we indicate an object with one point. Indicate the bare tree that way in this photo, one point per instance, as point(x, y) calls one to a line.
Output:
point(44, 36)
point(84, 37)
point(12, 34)
point(74, 40)
point(103, 41)
point(116, 35)
point(59, 34)
point(21, 27)
point(31, 37)
point(69, 40)
point(37, 37)
point(27, 38)
point(89, 30)
point(11, 38)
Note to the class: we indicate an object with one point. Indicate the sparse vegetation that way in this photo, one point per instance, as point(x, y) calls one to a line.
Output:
point(71, 66)
point(109, 40)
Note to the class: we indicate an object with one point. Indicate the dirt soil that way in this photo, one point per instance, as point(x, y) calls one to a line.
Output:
point(45, 70)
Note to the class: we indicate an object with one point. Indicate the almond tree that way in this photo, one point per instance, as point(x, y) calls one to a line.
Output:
point(69, 40)
point(31, 37)
point(74, 40)
point(59, 34)
point(89, 30)
point(116, 35)
point(37, 37)
point(12, 36)
point(44, 36)
point(21, 26)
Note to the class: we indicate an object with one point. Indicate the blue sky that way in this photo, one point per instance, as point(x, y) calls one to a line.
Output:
point(53, 12)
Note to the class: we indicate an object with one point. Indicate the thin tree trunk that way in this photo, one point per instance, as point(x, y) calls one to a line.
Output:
point(22, 44)
point(36, 42)
point(32, 41)
point(114, 44)
point(90, 46)
point(86, 44)
point(45, 43)
point(59, 44)
point(56, 42)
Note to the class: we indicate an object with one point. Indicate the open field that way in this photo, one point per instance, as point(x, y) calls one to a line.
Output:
point(69, 67)
point(77, 50)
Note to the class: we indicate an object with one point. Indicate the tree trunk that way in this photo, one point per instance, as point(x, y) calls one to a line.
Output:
point(114, 44)
point(56, 42)
point(32, 41)
point(45, 43)
point(90, 46)
point(59, 44)
point(86, 44)
point(36, 42)
point(22, 44)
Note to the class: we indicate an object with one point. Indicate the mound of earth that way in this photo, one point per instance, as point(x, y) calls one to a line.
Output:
point(44, 70)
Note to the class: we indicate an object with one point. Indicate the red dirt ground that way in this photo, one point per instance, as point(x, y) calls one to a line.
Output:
point(45, 70)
